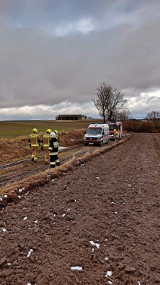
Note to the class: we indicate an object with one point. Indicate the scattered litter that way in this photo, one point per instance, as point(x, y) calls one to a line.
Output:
point(110, 282)
point(53, 179)
point(9, 264)
point(25, 218)
point(36, 221)
point(108, 273)
point(63, 215)
point(3, 230)
point(97, 177)
point(21, 190)
point(106, 258)
point(129, 185)
point(97, 245)
point(115, 212)
point(113, 202)
point(92, 249)
point(29, 283)
point(79, 268)
point(139, 283)
point(30, 252)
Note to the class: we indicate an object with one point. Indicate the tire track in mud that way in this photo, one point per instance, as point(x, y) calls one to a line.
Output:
point(15, 171)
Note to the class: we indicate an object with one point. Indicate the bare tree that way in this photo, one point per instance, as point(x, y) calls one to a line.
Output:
point(154, 115)
point(122, 115)
point(108, 101)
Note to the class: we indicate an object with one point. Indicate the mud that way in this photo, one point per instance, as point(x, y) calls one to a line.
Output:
point(98, 224)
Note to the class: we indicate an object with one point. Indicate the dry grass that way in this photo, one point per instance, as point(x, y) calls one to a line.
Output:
point(138, 126)
point(17, 149)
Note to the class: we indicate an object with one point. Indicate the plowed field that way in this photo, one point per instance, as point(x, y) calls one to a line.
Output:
point(95, 225)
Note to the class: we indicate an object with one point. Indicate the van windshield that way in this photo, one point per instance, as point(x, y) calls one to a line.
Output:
point(93, 131)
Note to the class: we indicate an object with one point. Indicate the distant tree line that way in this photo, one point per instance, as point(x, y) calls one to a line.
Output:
point(154, 115)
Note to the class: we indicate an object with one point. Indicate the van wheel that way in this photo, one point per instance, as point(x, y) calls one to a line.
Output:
point(101, 143)
point(85, 144)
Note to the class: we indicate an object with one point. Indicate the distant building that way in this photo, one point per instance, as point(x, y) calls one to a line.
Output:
point(71, 117)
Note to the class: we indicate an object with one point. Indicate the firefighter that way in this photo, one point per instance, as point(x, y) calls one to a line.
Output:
point(45, 145)
point(115, 135)
point(34, 142)
point(57, 137)
point(53, 150)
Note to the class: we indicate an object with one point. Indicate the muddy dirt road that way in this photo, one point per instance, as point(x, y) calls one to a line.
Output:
point(98, 224)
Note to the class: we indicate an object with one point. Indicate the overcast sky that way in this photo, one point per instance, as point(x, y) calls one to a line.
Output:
point(54, 54)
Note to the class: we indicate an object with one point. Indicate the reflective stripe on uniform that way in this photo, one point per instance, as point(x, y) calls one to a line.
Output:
point(55, 144)
point(53, 153)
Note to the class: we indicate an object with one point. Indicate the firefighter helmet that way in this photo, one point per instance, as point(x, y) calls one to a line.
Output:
point(56, 132)
point(49, 131)
point(53, 135)
point(35, 130)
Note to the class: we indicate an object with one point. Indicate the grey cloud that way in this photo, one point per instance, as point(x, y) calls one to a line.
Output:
point(37, 68)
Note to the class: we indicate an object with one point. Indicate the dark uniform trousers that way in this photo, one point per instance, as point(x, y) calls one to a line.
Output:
point(53, 152)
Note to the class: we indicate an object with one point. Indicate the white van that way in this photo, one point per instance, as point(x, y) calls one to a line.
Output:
point(97, 134)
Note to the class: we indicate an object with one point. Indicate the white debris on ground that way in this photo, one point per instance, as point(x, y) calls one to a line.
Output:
point(30, 252)
point(3, 230)
point(106, 258)
point(79, 268)
point(110, 282)
point(108, 274)
point(21, 190)
point(25, 218)
point(97, 245)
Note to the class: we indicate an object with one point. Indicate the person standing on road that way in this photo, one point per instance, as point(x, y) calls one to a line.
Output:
point(45, 145)
point(53, 150)
point(116, 135)
point(34, 142)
